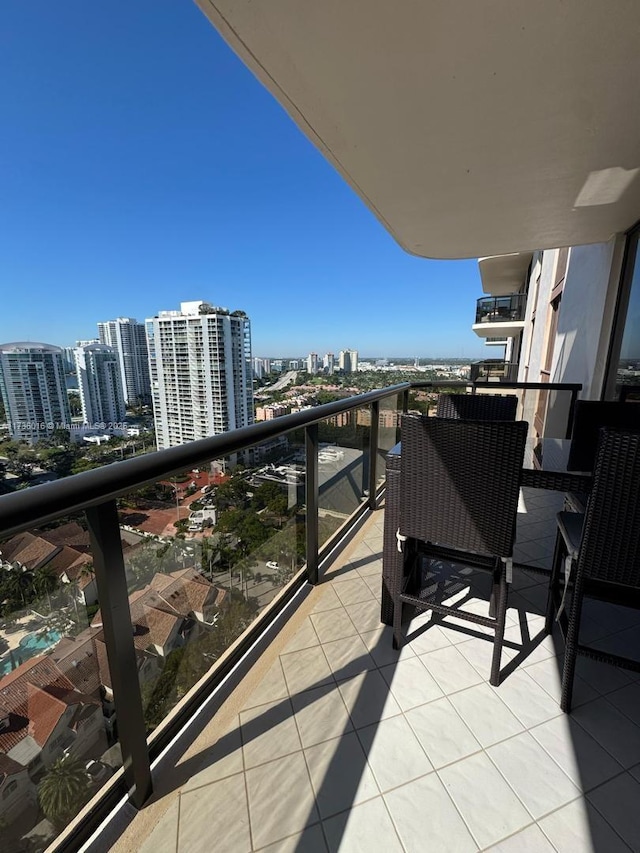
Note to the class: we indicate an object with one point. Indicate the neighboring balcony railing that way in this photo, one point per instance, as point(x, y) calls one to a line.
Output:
point(493, 370)
point(501, 309)
point(147, 625)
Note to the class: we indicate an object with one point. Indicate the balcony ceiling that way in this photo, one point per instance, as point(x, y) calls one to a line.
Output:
point(467, 128)
point(504, 274)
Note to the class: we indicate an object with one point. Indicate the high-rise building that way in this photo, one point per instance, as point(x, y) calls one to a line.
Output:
point(348, 360)
point(33, 390)
point(312, 363)
point(329, 363)
point(128, 338)
point(258, 367)
point(68, 359)
point(201, 372)
point(100, 384)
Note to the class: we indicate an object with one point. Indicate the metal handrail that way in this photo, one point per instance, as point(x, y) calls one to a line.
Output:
point(28, 508)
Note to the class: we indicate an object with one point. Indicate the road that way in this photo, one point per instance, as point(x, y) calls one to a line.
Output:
point(285, 380)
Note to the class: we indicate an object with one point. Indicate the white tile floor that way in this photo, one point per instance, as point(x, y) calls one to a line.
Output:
point(347, 745)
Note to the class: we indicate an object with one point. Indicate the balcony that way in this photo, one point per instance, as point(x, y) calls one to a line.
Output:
point(308, 731)
point(493, 370)
point(335, 742)
point(501, 316)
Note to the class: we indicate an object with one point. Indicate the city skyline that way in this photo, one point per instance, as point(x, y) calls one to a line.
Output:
point(144, 165)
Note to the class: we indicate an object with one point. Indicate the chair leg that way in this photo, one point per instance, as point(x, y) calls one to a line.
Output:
point(501, 615)
point(397, 624)
point(571, 646)
point(554, 584)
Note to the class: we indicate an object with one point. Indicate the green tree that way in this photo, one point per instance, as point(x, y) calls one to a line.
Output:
point(64, 790)
point(74, 404)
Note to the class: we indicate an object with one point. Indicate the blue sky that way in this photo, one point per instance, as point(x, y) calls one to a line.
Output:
point(141, 164)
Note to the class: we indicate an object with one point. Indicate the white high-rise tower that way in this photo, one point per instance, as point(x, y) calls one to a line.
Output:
point(128, 338)
point(100, 385)
point(33, 390)
point(201, 372)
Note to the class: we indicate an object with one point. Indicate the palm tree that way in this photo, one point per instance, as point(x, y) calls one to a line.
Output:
point(64, 790)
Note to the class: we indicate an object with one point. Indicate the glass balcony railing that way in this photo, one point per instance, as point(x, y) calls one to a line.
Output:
point(493, 370)
point(501, 309)
point(129, 593)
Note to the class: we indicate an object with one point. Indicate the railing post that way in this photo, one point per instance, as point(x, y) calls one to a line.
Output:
point(311, 501)
point(373, 453)
point(108, 564)
point(405, 401)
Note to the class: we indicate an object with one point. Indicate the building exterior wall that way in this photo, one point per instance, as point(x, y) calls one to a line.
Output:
point(16, 794)
point(100, 385)
point(201, 372)
point(33, 390)
point(573, 346)
point(128, 338)
point(586, 316)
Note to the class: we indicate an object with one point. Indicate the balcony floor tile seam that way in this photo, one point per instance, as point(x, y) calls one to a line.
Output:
point(517, 833)
point(579, 791)
point(599, 810)
point(246, 800)
point(603, 698)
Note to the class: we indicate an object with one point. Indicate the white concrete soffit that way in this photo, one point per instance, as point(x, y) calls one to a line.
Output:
point(469, 127)
point(504, 274)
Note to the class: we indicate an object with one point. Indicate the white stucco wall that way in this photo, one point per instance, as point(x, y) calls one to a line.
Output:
point(586, 314)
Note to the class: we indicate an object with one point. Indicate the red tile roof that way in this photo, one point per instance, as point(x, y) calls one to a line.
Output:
point(31, 698)
point(31, 551)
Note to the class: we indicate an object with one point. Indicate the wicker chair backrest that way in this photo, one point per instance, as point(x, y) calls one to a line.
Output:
point(477, 407)
point(610, 548)
point(460, 482)
point(590, 416)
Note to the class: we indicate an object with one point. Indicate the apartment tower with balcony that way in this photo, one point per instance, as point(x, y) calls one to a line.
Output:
point(33, 390)
point(127, 336)
point(201, 372)
point(100, 384)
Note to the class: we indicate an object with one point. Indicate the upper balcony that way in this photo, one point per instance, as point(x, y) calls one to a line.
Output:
point(493, 370)
point(500, 316)
point(298, 724)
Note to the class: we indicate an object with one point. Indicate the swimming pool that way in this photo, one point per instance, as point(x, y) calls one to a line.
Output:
point(29, 646)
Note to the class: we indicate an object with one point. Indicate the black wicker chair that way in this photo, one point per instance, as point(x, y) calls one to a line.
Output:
point(459, 499)
point(601, 550)
point(477, 407)
point(590, 416)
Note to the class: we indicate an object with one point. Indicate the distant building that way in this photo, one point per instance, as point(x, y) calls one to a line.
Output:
point(312, 363)
point(266, 365)
point(328, 363)
point(348, 360)
point(127, 336)
point(268, 413)
point(100, 385)
point(294, 364)
point(258, 367)
point(33, 390)
point(68, 359)
point(201, 372)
